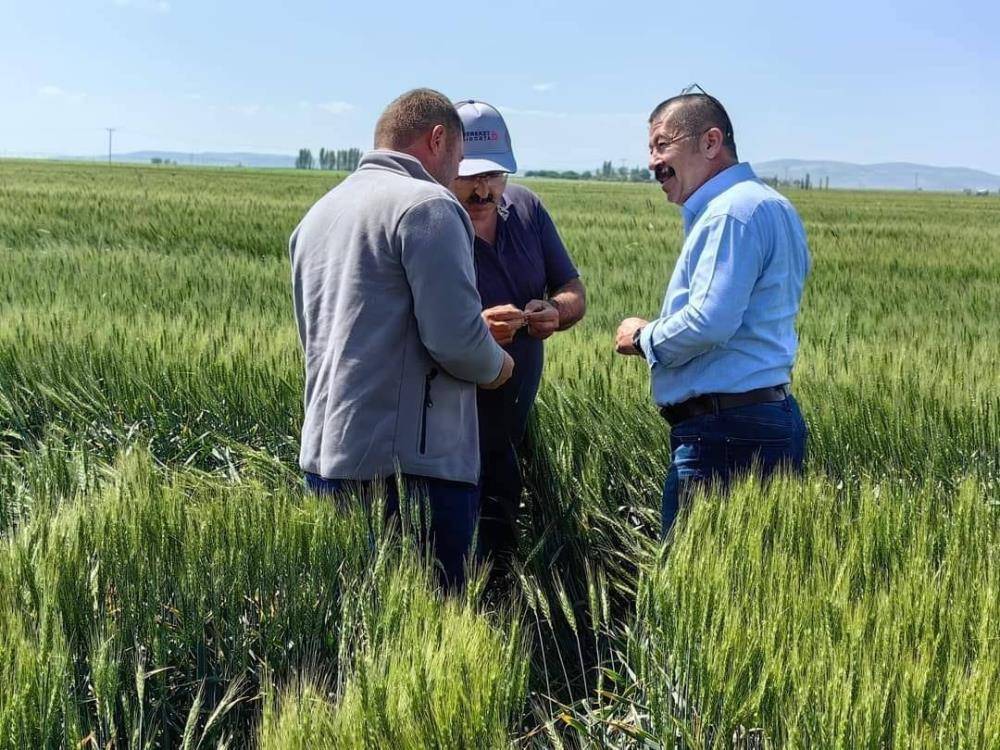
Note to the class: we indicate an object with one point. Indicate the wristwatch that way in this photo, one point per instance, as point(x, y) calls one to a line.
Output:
point(635, 340)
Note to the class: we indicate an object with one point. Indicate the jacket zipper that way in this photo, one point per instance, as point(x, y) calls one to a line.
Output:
point(428, 403)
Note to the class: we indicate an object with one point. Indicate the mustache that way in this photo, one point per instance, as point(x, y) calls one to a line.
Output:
point(477, 201)
point(664, 173)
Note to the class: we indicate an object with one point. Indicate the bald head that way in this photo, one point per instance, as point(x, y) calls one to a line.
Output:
point(412, 115)
point(696, 113)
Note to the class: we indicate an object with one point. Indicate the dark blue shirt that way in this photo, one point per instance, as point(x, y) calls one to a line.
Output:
point(528, 262)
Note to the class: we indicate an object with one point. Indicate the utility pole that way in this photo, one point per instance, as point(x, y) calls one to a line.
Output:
point(110, 131)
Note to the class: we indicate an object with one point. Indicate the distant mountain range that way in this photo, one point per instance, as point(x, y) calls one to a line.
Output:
point(888, 176)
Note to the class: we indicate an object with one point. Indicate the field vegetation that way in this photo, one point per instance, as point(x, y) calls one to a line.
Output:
point(165, 582)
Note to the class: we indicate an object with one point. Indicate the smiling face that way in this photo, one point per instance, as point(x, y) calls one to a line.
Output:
point(676, 159)
point(684, 159)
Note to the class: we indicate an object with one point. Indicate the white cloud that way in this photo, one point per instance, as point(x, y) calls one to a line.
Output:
point(153, 6)
point(336, 108)
point(576, 115)
point(531, 112)
point(56, 92)
point(247, 110)
point(543, 86)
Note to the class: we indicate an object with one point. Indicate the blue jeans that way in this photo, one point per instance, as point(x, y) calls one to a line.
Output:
point(721, 446)
point(453, 506)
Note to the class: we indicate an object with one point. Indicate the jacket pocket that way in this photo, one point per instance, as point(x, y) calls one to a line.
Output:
point(428, 403)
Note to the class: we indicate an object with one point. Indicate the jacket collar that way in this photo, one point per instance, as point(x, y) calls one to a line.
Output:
point(394, 161)
point(713, 188)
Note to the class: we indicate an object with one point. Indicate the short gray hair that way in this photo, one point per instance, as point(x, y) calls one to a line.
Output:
point(696, 113)
point(412, 114)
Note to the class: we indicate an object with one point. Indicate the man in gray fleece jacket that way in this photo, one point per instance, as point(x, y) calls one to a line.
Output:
point(389, 319)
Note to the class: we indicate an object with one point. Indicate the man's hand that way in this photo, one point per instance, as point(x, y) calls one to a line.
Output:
point(505, 372)
point(503, 322)
point(623, 339)
point(542, 318)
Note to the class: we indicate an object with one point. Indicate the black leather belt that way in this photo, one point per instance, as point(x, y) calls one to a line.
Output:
point(712, 403)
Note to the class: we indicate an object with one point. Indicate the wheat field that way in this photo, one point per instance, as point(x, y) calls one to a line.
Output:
point(165, 582)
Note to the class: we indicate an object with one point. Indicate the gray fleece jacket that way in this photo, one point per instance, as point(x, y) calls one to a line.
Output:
point(389, 319)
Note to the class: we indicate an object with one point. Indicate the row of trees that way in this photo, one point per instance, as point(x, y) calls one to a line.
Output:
point(607, 172)
point(346, 160)
point(343, 159)
point(804, 183)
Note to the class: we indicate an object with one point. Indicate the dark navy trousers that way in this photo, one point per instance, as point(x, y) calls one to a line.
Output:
point(720, 446)
point(503, 421)
point(453, 508)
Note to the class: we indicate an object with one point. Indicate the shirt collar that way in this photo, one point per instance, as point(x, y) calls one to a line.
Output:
point(503, 206)
point(383, 158)
point(713, 188)
point(503, 212)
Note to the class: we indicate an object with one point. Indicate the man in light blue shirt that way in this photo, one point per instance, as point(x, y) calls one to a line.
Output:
point(721, 352)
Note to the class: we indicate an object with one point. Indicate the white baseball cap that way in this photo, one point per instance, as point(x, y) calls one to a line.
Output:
point(487, 141)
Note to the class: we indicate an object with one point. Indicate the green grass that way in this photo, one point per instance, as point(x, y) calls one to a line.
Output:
point(163, 581)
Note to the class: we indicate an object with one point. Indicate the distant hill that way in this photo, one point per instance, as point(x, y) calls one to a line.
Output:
point(888, 176)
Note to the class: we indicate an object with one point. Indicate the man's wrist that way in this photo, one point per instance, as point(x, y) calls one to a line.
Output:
point(552, 301)
point(636, 341)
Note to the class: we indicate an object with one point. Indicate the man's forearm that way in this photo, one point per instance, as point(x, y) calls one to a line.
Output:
point(571, 302)
point(676, 340)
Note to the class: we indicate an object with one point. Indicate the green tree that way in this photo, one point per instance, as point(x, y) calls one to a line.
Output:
point(305, 159)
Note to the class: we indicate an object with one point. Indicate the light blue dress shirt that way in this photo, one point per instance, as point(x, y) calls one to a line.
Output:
point(728, 319)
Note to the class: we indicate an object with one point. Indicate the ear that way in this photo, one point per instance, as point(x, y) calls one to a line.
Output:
point(712, 143)
point(438, 139)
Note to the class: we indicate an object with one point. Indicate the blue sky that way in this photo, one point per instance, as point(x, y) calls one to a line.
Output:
point(853, 81)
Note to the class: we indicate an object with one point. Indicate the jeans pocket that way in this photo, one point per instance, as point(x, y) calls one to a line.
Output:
point(777, 415)
point(685, 451)
point(764, 454)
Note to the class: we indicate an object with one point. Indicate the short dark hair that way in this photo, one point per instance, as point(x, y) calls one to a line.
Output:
point(412, 114)
point(695, 114)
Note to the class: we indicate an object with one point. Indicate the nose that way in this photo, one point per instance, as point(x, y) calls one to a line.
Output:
point(481, 189)
point(655, 158)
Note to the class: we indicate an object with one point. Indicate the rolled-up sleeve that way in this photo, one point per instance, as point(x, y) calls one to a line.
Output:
point(436, 254)
point(727, 261)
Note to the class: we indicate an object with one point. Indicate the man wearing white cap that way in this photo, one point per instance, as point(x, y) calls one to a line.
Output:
point(529, 288)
